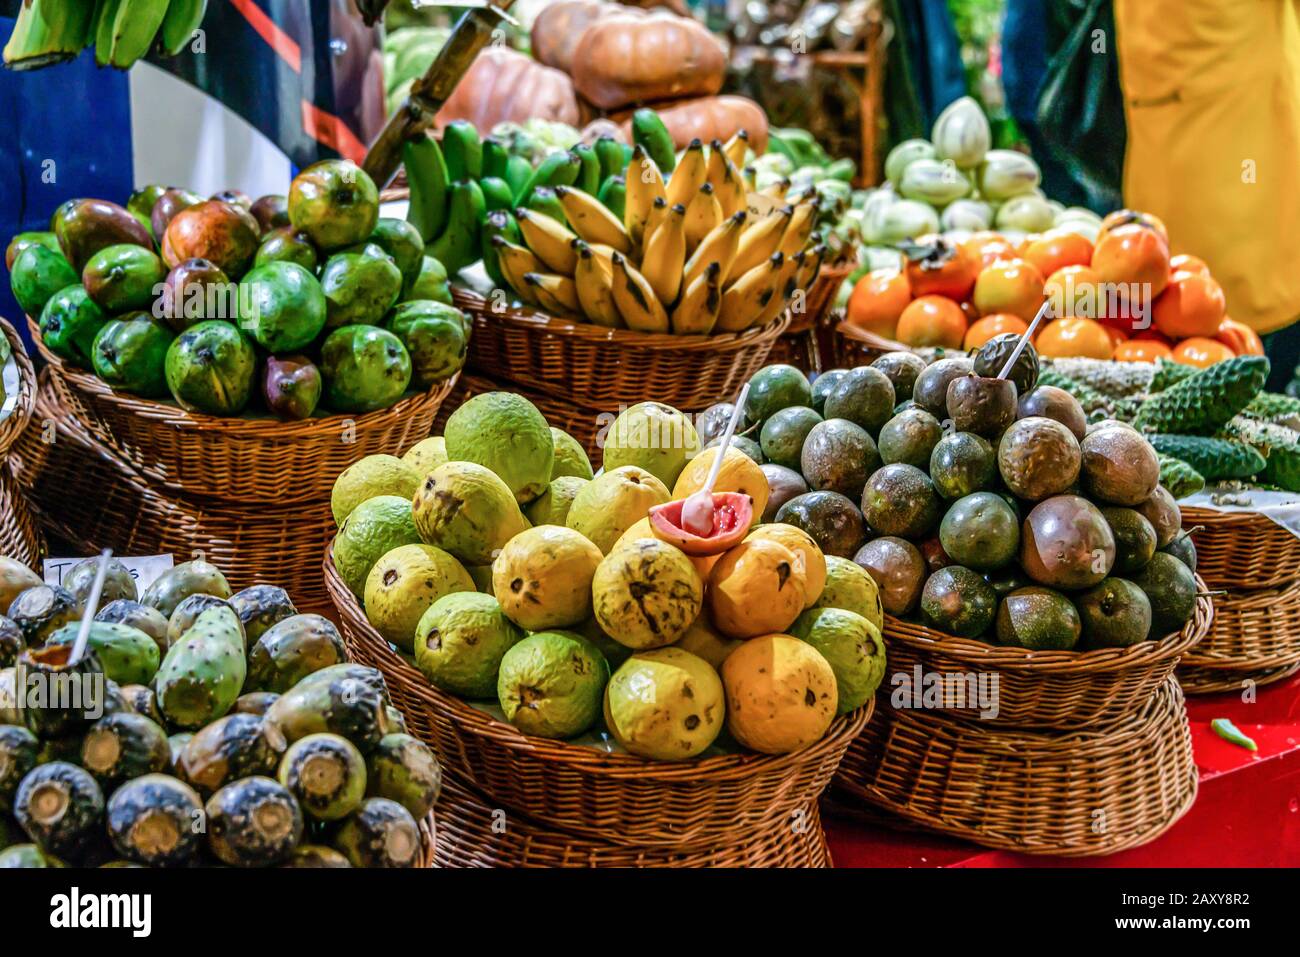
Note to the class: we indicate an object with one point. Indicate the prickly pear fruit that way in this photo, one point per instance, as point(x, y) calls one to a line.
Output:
point(204, 672)
point(189, 578)
point(261, 606)
point(151, 820)
point(233, 747)
point(253, 822)
point(348, 707)
point(291, 650)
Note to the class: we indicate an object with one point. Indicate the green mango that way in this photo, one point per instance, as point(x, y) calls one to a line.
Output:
point(38, 273)
point(434, 335)
point(401, 241)
point(69, 324)
point(123, 278)
point(365, 368)
point(335, 203)
point(210, 368)
point(285, 244)
point(140, 203)
point(22, 240)
point(283, 305)
point(360, 287)
point(85, 226)
point(130, 353)
point(430, 283)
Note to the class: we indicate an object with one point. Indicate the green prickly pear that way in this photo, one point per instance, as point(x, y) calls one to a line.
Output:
point(204, 672)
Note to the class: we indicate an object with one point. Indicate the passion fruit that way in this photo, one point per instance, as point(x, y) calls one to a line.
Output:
point(1039, 619)
point(783, 484)
point(733, 513)
point(903, 369)
point(832, 520)
point(864, 396)
point(900, 500)
point(1038, 457)
point(1135, 539)
point(958, 601)
point(931, 389)
point(1066, 543)
point(824, 385)
point(839, 456)
point(1115, 614)
point(981, 531)
point(962, 463)
point(1162, 511)
point(1119, 467)
point(909, 438)
point(993, 355)
point(981, 405)
point(898, 569)
point(1171, 588)
point(1052, 403)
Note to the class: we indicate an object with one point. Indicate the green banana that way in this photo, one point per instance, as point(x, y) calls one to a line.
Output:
point(495, 157)
point(178, 26)
point(589, 176)
point(126, 29)
point(545, 201)
point(613, 193)
point(518, 172)
point(649, 132)
point(841, 169)
point(501, 223)
point(463, 151)
point(558, 169)
point(458, 245)
point(496, 193)
point(48, 32)
point(612, 158)
point(426, 175)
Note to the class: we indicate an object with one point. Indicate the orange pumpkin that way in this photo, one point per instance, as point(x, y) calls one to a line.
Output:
point(709, 118)
point(503, 86)
point(1066, 338)
point(932, 321)
point(625, 59)
point(982, 330)
point(560, 26)
point(1240, 338)
point(1142, 350)
point(1192, 305)
point(1201, 352)
point(1010, 285)
point(878, 299)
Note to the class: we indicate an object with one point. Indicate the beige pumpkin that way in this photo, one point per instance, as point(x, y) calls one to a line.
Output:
point(632, 58)
point(503, 85)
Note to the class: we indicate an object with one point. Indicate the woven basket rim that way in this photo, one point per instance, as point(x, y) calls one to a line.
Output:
point(588, 759)
point(1199, 515)
point(979, 653)
point(872, 339)
point(534, 321)
point(25, 404)
point(232, 427)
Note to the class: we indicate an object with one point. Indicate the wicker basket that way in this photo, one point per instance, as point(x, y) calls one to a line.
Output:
point(804, 344)
point(24, 402)
point(601, 368)
point(1078, 794)
point(1245, 551)
point(472, 833)
point(428, 841)
point(857, 347)
point(616, 798)
point(20, 538)
point(88, 497)
point(241, 460)
point(1256, 636)
point(582, 423)
point(1049, 689)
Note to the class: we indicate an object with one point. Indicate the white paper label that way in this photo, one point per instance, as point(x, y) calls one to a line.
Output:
point(144, 569)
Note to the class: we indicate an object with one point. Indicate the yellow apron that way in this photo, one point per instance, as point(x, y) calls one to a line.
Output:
point(1212, 100)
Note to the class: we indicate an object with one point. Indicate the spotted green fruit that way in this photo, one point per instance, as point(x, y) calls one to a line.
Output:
point(405, 583)
point(371, 476)
point(570, 457)
point(365, 368)
point(460, 641)
point(853, 647)
point(327, 775)
point(426, 455)
point(551, 684)
point(505, 433)
point(375, 527)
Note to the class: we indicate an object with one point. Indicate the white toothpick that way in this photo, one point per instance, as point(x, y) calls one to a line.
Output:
point(1045, 310)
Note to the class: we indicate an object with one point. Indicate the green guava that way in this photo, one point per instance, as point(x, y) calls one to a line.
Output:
point(552, 506)
point(652, 436)
point(853, 647)
point(848, 586)
point(365, 368)
point(551, 684)
point(426, 455)
point(404, 584)
point(505, 433)
point(460, 641)
point(613, 502)
point(666, 704)
point(371, 476)
point(466, 510)
point(374, 528)
point(570, 456)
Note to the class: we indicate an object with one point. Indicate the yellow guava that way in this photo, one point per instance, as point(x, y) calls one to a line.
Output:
point(542, 578)
point(646, 594)
point(756, 588)
point(665, 704)
point(803, 545)
point(781, 694)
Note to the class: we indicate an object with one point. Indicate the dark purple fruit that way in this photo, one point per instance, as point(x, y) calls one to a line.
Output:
point(1038, 457)
point(783, 484)
point(898, 569)
point(864, 396)
point(993, 355)
point(901, 500)
point(1039, 619)
point(197, 289)
point(903, 369)
point(1053, 403)
point(1119, 467)
point(958, 601)
point(1162, 511)
point(931, 389)
point(838, 456)
point(1066, 543)
point(291, 387)
point(981, 405)
point(271, 211)
point(832, 520)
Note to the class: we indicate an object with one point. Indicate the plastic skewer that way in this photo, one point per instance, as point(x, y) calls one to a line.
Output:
point(92, 607)
point(693, 511)
point(1024, 339)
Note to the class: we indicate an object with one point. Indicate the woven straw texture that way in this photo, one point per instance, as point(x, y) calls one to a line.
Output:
point(241, 460)
point(1050, 689)
point(1256, 636)
point(1242, 550)
point(617, 798)
point(87, 496)
point(857, 347)
point(1079, 794)
point(428, 841)
point(598, 367)
point(20, 538)
point(25, 401)
point(473, 833)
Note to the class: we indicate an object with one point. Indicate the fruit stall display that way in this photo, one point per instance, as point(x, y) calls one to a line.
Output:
point(227, 353)
point(1008, 536)
point(220, 728)
point(20, 538)
point(518, 604)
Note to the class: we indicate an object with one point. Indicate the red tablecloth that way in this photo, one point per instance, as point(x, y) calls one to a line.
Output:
point(1247, 813)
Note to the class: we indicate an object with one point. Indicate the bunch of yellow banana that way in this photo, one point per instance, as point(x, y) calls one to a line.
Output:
point(696, 254)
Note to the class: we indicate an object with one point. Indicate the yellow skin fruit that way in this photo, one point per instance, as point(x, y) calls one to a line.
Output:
point(665, 704)
point(426, 455)
point(542, 578)
point(612, 503)
point(404, 583)
point(849, 586)
point(781, 694)
point(757, 588)
point(369, 477)
point(739, 473)
point(646, 594)
point(704, 642)
point(15, 578)
point(802, 544)
point(643, 529)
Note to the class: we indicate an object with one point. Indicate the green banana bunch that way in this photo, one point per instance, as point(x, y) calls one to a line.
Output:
point(178, 26)
point(125, 30)
point(48, 32)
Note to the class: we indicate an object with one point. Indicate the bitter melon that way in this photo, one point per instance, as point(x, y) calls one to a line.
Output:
point(1119, 380)
point(1202, 403)
point(1273, 406)
point(1213, 458)
point(1168, 373)
point(1279, 445)
point(1096, 404)
point(1178, 477)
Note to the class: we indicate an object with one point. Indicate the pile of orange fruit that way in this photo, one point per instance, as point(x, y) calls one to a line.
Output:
point(1122, 296)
